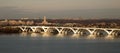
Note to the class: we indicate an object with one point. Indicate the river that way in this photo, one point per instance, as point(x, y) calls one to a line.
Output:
point(35, 43)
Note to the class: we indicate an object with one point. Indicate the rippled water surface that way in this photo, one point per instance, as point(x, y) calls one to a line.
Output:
point(35, 43)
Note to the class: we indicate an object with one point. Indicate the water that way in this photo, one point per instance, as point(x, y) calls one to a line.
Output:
point(19, 43)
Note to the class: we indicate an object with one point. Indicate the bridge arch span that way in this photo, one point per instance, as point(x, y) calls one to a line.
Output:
point(101, 33)
point(81, 31)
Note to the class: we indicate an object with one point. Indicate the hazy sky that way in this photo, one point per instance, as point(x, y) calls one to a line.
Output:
point(59, 8)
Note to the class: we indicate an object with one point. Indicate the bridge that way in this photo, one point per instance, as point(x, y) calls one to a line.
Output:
point(77, 31)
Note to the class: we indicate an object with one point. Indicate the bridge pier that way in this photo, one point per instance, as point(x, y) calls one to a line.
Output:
point(109, 32)
point(60, 30)
point(45, 29)
point(33, 29)
point(46, 32)
point(23, 28)
point(92, 35)
point(75, 31)
point(62, 33)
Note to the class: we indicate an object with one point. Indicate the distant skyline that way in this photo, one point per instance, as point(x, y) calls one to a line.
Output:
point(60, 8)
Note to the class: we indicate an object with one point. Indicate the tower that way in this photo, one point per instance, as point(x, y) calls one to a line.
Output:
point(44, 20)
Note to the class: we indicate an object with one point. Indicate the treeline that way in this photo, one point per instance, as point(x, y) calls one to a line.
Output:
point(101, 23)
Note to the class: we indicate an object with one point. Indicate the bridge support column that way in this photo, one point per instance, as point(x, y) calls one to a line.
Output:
point(61, 32)
point(109, 32)
point(45, 29)
point(33, 29)
point(92, 35)
point(76, 32)
point(24, 29)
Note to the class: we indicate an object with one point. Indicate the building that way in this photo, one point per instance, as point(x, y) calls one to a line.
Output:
point(44, 20)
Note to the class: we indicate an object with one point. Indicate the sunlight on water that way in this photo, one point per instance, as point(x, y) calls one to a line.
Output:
point(23, 34)
point(75, 36)
point(91, 37)
point(34, 34)
point(46, 35)
point(37, 43)
point(60, 35)
point(109, 37)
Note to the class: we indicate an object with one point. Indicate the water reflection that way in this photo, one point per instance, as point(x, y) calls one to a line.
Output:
point(75, 36)
point(109, 37)
point(34, 34)
point(36, 43)
point(60, 35)
point(23, 34)
point(46, 34)
point(91, 37)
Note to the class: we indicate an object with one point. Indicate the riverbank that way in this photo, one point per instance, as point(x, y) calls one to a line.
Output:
point(9, 30)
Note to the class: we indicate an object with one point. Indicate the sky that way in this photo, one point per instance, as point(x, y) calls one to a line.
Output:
point(60, 8)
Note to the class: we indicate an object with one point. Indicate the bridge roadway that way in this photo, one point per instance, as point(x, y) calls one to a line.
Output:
point(93, 32)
